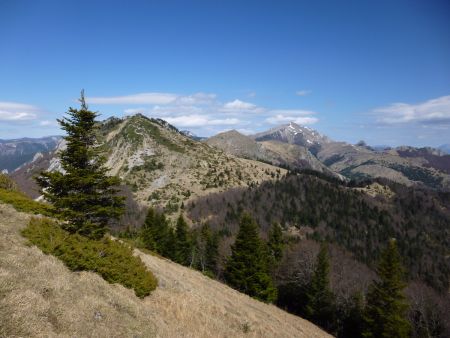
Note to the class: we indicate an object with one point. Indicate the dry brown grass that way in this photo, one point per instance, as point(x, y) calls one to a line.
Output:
point(40, 297)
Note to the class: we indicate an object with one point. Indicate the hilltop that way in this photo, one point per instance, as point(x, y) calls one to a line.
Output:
point(41, 297)
point(274, 151)
point(162, 165)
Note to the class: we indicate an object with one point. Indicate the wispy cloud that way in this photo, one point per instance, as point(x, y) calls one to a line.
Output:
point(238, 106)
point(204, 112)
point(46, 123)
point(12, 111)
point(200, 120)
point(142, 98)
point(293, 112)
point(303, 92)
point(299, 116)
point(434, 111)
point(302, 120)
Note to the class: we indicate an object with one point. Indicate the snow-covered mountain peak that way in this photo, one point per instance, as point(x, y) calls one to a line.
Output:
point(294, 134)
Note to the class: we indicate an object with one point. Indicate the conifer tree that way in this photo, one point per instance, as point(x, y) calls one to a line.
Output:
point(275, 243)
point(352, 324)
point(205, 249)
point(320, 307)
point(386, 309)
point(247, 269)
point(182, 242)
point(211, 252)
point(83, 194)
point(157, 235)
point(149, 231)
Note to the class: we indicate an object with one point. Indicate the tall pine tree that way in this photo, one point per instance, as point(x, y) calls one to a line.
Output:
point(157, 235)
point(83, 194)
point(386, 309)
point(247, 268)
point(182, 242)
point(320, 306)
point(206, 249)
point(275, 244)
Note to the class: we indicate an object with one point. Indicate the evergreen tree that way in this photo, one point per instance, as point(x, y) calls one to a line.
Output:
point(320, 307)
point(211, 252)
point(149, 231)
point(83, 194)
point(352, 321)
point(205, 249)
point(182, 242)
point(247, 269)
point(275, 243)
point(386, 309)
point(157, 235)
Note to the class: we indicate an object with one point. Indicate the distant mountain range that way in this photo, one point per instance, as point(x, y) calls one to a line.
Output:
point(299, 147)
point(144, 150)
point(445, 148)
point(14, 153)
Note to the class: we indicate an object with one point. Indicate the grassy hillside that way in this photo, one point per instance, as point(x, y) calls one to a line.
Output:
point(39, 296)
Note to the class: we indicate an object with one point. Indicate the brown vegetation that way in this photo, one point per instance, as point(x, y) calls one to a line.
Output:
point(39, 296)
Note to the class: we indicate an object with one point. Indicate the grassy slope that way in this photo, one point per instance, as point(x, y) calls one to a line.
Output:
point(39, 296)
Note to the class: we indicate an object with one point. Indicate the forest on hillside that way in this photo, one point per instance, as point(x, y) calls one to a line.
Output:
point(324, 209)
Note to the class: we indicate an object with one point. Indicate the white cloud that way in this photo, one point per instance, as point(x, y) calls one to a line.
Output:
point(302, 120)
point(197, 98)
point(199, 121)
point(203, 111)
point(299, 116)
point(293, 112)
point(434, 111)
point(132, 111)
point(46, 123)
point(142, 98)
point(12, 111)
point(246, 131)
point(155, 98)
point(238, 106)
point(303, 92)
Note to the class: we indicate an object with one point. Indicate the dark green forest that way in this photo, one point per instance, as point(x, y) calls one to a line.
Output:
point(324, 209)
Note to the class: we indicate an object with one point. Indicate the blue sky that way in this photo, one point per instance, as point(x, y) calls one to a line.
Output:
point(372, 70)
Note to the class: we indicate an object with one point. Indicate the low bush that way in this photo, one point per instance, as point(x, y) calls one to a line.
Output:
point(21, 202)
point(113, 260)
point(7, 183)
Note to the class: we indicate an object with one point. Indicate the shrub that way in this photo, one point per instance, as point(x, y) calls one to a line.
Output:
point(21, 202)
point(7, 183)
point(113, 260)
